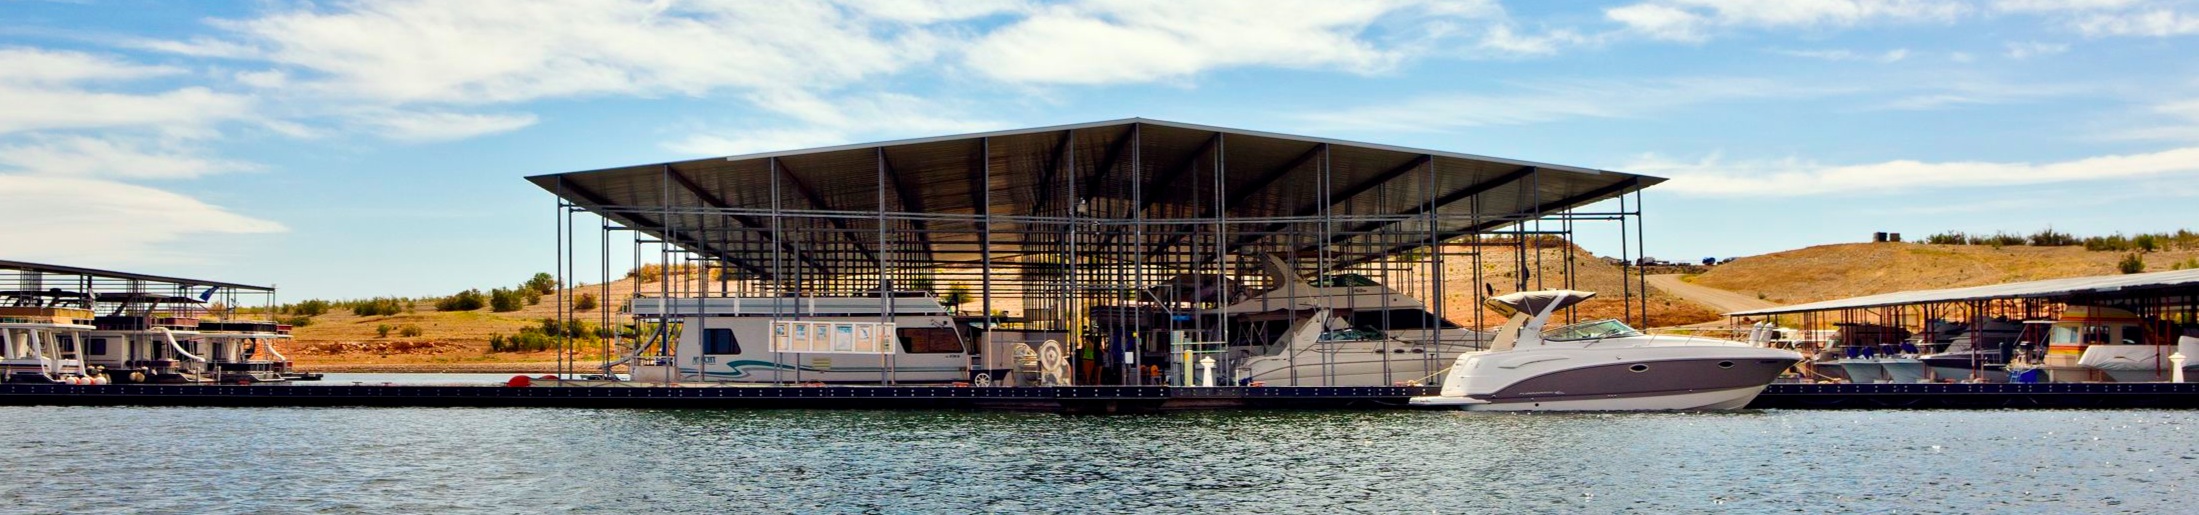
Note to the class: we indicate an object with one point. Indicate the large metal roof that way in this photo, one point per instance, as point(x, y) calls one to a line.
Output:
point(63, 270)
point(2105, 285)
point(1117, 178)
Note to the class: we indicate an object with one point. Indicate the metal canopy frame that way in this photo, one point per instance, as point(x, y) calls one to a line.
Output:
point(1057, 221)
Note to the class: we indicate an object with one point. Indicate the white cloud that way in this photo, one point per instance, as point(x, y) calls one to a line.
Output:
point(821, 122)
point(2183, 124)
point(2049, 6)
point(81, 156)
point(1149, 40)
point(426, 126)
point(96, 222)
point(1888, 56)
point(44, 89)
point(410, 51)
point(1550, 101)
point(1690, 20)
point(2155, 22)
point(733, 143)
point(1714, 176)
point(1659, 21)
point(2030, 49)
point(1956, 93)
point(1504, 40)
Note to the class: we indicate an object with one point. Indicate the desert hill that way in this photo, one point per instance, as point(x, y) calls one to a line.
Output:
point(1836, 271)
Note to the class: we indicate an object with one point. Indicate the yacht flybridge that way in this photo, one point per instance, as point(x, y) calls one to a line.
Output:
point(1602, 365)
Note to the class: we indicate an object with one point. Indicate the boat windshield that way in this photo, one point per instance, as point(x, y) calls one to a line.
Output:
point(1606, 328)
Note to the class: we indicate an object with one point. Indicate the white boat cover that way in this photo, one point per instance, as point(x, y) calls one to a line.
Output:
point(2126, 357)
point(1536, 302)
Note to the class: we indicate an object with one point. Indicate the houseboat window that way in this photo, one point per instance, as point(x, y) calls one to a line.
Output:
point(720, 341)
point(2134, 335)
point(97, 346)
point(929, 340)
point(2062, 334)
point(2096, 335)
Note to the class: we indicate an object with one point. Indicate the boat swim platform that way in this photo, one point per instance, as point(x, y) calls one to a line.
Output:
point(1068, 399)
point(1979, 396)
point(1064, 399)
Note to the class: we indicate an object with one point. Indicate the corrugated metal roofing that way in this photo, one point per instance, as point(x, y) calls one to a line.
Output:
point(41, 268)
point(2050, 288)
point(1117, 171)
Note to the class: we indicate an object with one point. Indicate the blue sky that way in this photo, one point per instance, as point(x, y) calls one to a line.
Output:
point(354, 148)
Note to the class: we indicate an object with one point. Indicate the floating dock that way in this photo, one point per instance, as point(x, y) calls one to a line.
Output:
point(1065, 399)
point(1979, 396)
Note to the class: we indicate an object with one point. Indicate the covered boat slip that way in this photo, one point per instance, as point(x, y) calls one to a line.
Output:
point(2136, 320)
point(1122, 236)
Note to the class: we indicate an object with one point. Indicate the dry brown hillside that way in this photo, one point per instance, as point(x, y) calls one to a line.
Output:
point(1499, 266)
point(456, 341)
point(1853, 269)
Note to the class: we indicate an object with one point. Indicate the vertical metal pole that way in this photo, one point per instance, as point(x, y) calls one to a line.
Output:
point(1641, 234)
point(885, 287)
point(985, 254)
point(1137, 256)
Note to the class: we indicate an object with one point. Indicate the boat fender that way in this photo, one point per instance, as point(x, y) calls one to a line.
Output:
point(519, 381)
point(137, 377)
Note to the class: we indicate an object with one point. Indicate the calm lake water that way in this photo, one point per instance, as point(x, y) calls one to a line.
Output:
point(375, 460)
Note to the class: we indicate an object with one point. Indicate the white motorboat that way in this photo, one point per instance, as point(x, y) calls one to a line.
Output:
point(1602, 365)
point(1340, 330)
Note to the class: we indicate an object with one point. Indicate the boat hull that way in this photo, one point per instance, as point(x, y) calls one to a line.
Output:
point(1637, 379)
point(1349, 369)
point(1862, 371)
point(1905, 370)
point(1726, 399)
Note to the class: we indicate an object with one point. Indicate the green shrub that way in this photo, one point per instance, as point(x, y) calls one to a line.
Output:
point(533, 297)
point(1948, 238)
point(311, 308)
point(503, 300)
point(957, 295)
point(528, 340)
point(295, 321)
point(410, 331)
point(468, 300)
point(2132, 263)
point(378, 306)
point(584, 302)
point(382, 331)
point(541, 283)
point(2049, 238)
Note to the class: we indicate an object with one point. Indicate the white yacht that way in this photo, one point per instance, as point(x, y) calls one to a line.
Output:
point(894, 339)
point(1602, 365)
point(1340, 330)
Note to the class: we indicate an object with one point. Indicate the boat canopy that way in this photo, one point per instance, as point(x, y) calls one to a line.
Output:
point(1536, 302)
